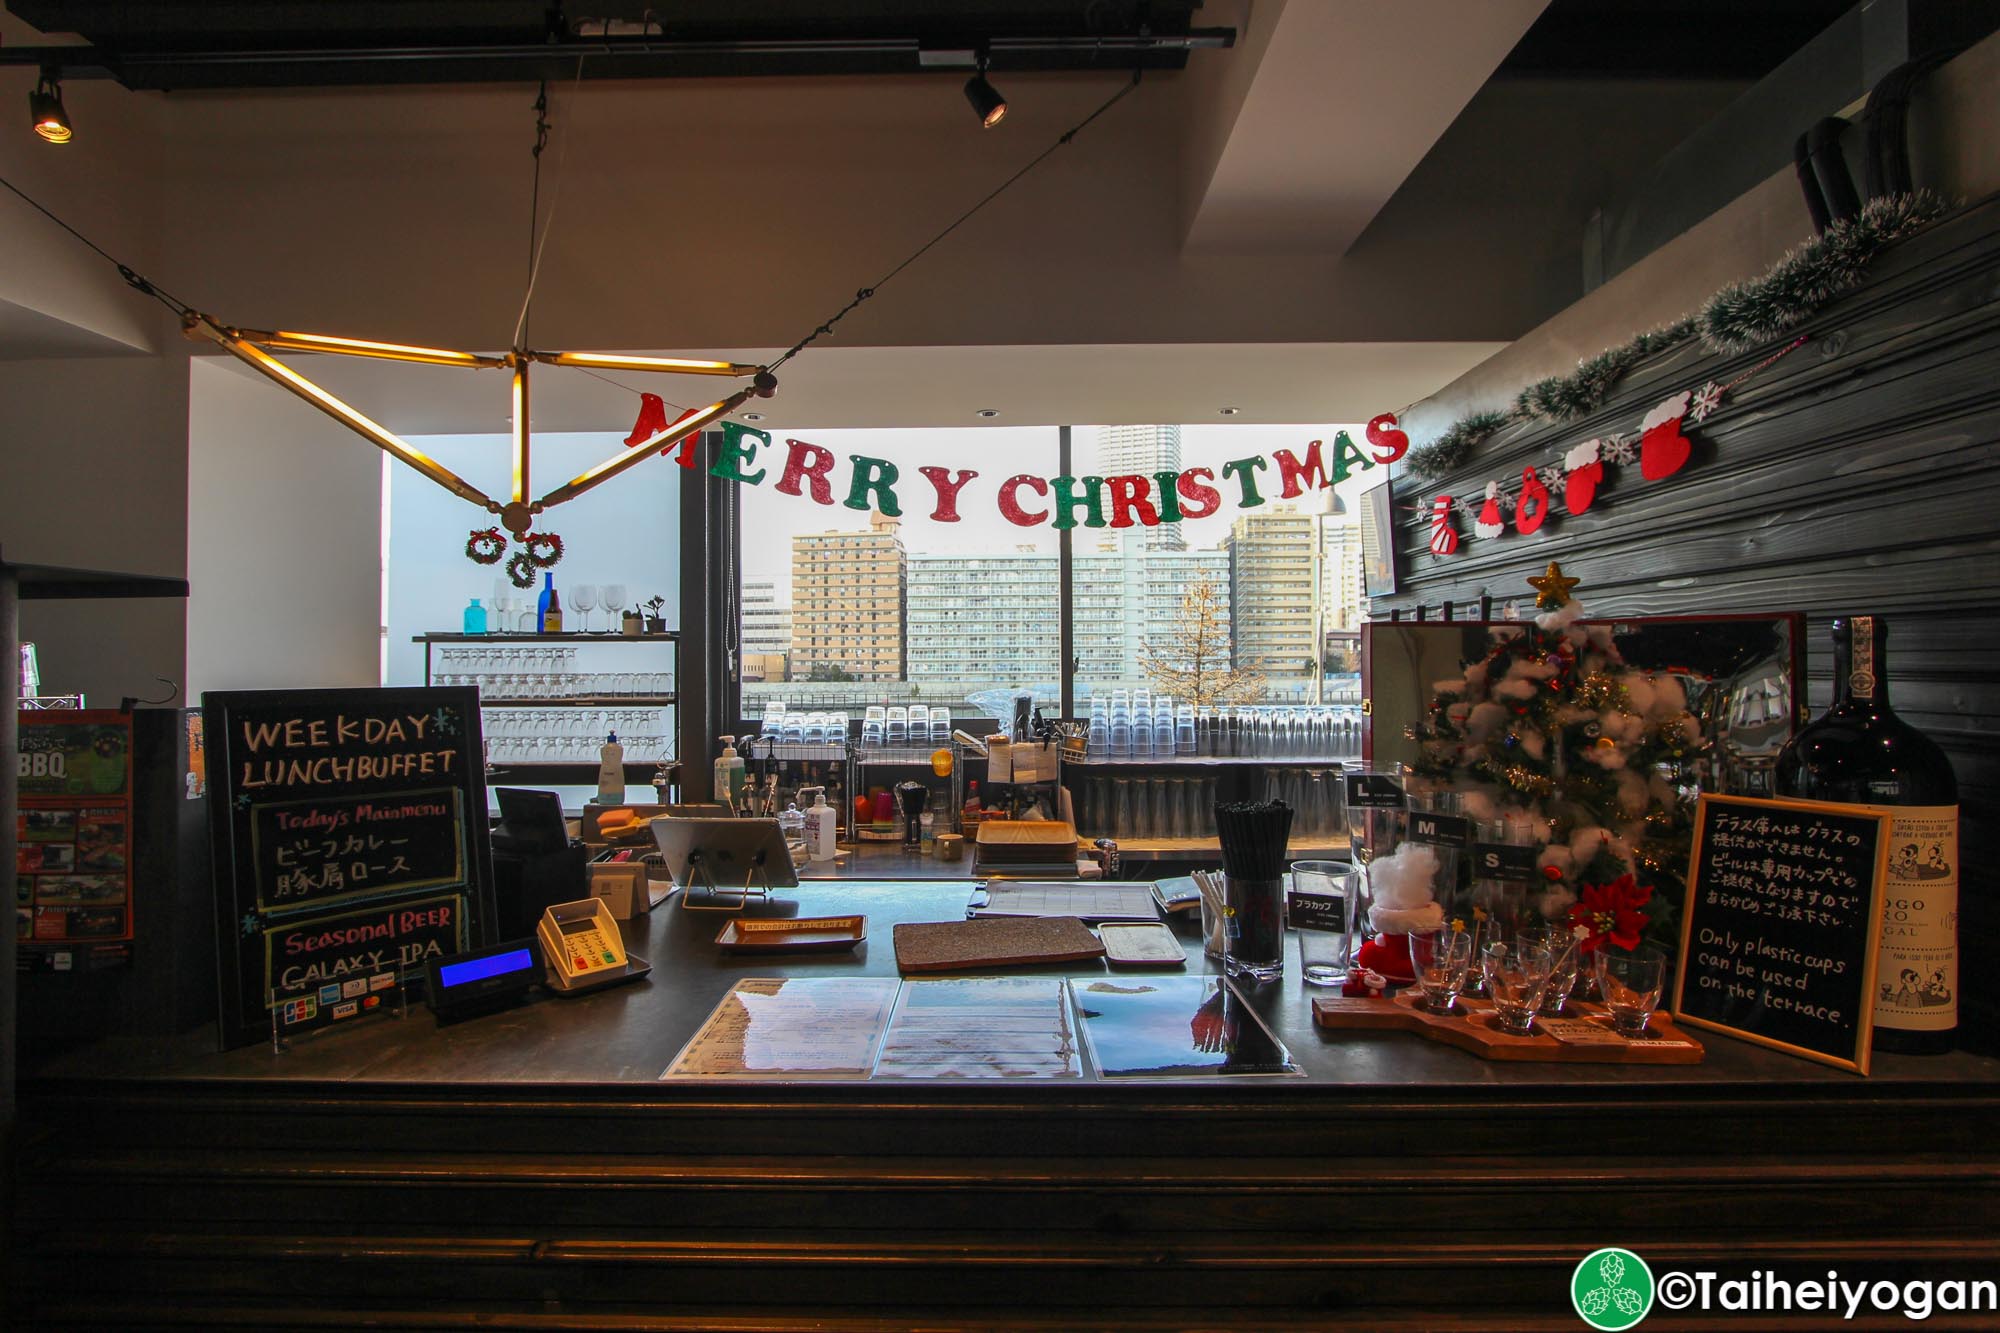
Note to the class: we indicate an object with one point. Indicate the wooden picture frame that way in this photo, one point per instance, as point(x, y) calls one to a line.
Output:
point(1864, 921)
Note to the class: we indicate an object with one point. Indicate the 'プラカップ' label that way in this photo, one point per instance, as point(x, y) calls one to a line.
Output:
point(1916, 980)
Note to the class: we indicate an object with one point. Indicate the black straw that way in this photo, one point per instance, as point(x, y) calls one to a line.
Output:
point(1255, 835)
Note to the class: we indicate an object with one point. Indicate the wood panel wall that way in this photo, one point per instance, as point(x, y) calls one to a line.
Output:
point(1860, 474)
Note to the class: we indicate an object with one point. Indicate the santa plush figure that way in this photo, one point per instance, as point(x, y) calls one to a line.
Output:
point(1488, 523)
point(1402, 898)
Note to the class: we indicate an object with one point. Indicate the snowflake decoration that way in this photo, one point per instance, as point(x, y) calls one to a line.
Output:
point(243, 800)
point(1508, 504)
point(1552, 474)
point(1706, 400)
point(446, 722)
point(1619, 450)
point(251, 921)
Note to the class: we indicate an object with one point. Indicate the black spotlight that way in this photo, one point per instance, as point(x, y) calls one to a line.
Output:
point(46, 108)
point(987, 103)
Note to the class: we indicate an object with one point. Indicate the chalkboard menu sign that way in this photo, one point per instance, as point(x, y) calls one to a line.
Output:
point(1783, 925)
point(348, 828)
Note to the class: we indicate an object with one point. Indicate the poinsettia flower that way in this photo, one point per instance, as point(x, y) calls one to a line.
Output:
point(1611, 912)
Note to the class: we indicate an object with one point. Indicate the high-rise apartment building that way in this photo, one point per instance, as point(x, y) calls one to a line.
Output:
point(1272, 552)
point(1342, 595)
point(1141, 450)
point(990, 620)
point(847, 603)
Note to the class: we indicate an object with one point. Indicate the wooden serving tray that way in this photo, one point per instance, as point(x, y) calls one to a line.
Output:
point(750, 934)
point(1474, 1030)
point(993, 941)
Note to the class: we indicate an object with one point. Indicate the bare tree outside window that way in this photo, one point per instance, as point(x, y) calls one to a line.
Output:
point(1194, 663)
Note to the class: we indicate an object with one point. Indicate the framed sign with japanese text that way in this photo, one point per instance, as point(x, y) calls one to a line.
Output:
point(350, 847)
point(1783, 925)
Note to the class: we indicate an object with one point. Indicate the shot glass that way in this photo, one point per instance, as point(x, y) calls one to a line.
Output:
point(1441, 958)
point(1630, 984)
point(1517, 976)
point(1322, 910)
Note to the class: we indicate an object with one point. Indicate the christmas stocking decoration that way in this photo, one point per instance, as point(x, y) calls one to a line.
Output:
point(1444, 537)
point(1534, 506)
point(1663, 450)
point(1488, 523)
point(1586, 470)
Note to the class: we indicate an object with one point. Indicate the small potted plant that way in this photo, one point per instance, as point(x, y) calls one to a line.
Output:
point(632, 620)
point(656, 618)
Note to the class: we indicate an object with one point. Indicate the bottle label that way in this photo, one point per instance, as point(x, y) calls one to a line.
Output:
point(1916, 979)
point(1861, 671)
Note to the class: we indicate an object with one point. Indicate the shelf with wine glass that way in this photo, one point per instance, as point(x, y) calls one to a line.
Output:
point(548, 701)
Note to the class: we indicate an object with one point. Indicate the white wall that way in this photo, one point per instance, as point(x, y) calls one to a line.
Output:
point(627, 530)
point(284, 539)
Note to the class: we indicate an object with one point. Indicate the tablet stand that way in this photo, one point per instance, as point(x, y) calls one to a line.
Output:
point(703, 894)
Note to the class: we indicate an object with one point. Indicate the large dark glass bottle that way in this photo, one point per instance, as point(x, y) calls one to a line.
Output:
point(1860, 752)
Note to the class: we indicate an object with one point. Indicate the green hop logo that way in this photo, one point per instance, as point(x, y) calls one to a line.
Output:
point(1612, 1289)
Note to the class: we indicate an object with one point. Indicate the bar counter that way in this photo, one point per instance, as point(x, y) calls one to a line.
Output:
point(531, 1163)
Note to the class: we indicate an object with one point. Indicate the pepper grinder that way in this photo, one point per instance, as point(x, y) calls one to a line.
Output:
point(912, 797)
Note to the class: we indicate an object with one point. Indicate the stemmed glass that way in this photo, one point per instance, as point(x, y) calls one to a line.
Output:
point(1517, 977)
point(613, 595)
point(584, 595)
point(1630, 984)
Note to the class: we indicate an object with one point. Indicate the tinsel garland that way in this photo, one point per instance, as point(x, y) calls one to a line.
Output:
point(1832, 264)
point(1735, 319)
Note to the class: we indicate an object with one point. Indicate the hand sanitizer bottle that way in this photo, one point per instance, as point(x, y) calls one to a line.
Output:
point(611, 771)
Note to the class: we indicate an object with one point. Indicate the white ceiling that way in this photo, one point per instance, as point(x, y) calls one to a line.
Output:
point(833, 387)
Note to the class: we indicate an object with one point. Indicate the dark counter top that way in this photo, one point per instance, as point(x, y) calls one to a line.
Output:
point(631, 1033)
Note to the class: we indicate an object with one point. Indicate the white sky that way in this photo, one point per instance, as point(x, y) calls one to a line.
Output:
point(771, 518)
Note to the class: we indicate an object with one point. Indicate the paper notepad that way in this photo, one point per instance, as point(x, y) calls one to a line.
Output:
point(1086, 902)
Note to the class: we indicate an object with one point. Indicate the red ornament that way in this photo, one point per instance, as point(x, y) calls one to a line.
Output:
point(1444, 537)
point(1663, 450)
point(1534, 506)
point(1586, 472)
point(1489, 524)
point(1553, 874)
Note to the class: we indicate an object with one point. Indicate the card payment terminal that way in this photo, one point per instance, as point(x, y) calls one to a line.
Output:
point(584, 948)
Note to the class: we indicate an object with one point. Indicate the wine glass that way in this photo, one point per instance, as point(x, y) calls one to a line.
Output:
point(613, 601)
point(584, 595)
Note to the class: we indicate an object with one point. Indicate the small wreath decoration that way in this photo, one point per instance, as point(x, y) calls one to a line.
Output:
point(486, 546)
point(544, 548)
point(521, 569)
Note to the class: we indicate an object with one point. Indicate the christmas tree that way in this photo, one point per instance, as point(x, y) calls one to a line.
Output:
point(1553, 731)
point(1195, 666)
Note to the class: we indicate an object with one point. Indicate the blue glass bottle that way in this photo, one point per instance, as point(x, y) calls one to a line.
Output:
point(475, 618)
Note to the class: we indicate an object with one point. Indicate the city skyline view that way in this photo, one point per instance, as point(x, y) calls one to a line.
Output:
point(770, 518)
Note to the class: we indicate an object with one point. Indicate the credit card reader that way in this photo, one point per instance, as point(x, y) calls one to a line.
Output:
point(584, 949)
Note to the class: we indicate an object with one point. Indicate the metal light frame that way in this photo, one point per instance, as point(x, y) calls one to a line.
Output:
point(253, 347)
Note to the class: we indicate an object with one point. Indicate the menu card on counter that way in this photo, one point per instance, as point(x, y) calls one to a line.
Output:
point(348, 829)
point(1783, 925)
point(777, 1030)
point(981, 1027)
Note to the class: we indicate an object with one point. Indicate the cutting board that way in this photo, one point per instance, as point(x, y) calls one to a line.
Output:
point(1594, 1041)
point(989, 942)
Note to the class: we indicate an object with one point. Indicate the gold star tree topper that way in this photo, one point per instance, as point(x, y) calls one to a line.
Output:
point(1553, 588)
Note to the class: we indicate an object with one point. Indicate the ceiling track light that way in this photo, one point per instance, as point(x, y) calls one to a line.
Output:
point(987, 103)
point(45, 107)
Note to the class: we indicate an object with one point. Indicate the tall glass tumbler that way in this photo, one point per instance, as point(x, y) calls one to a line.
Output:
point(1323, 911)
point(1506, 856)
point(1437, 820)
